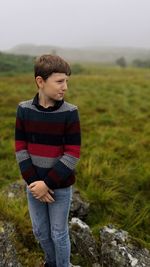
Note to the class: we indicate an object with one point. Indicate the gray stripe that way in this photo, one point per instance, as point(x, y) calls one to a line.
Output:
point(69, 161)
point(43, 162)
point(22, 155)
point(65, 107)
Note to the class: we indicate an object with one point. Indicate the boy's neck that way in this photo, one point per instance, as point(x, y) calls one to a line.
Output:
point(45, 101)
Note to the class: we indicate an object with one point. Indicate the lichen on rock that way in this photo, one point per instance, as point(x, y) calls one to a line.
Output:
point(8, 254)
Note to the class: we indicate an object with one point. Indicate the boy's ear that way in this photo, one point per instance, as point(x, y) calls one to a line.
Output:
point(39, 81)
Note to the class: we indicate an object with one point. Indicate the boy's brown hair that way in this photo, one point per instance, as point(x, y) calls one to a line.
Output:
point(45, 65)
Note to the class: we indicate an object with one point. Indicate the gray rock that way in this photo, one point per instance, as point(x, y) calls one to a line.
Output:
point(8, 255)
point(15, 190)
point(83, 241)
point(79, 208)
point(74, 265)
point(119, 250)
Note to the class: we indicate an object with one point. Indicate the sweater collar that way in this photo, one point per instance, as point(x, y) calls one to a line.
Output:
point(56, 106)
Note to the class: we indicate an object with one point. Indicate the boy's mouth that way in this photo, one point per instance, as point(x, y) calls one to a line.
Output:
point(60, 95)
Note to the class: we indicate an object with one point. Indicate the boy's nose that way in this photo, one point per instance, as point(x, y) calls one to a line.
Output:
point(65, 86)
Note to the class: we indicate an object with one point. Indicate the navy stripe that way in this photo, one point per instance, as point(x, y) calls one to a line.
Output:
point(72, 139)
point(34, 115)
point(62, 170)
point(72, 117)
point(25, 164)
point(20, 135)
point(56, 140)
point(42, 172)
point(45, 139)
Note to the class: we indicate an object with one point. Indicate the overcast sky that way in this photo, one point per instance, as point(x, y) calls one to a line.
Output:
point(75, 23)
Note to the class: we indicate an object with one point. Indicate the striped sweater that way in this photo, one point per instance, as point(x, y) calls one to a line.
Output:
point(47, 142)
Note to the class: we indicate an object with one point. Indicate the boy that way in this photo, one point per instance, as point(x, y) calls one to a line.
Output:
point(48, 138)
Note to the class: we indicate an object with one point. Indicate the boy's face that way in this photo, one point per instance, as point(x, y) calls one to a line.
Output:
point(55, 85)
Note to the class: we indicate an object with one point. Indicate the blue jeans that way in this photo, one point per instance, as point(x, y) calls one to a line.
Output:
point(50, 226)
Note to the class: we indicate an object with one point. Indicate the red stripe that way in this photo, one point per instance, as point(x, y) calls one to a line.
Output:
point(44, 127)
point(45, 150)
point(19, 123)
point(72, 150)
point(71, 180)
point(59, 181)
point(73, 128)
point(28, 173)
point(47, 128)
point(55, 177)
point(19, 145)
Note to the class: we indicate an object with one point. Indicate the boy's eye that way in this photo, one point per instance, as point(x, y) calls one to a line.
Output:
point(61, 81)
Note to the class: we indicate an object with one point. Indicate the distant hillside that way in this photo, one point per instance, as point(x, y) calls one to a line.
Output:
point(93, 54)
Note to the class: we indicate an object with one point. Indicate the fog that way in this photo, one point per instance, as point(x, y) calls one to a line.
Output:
point(75, 23)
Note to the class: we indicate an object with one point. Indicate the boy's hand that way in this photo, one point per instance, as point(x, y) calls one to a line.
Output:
point(39, 189)
point(47, 198)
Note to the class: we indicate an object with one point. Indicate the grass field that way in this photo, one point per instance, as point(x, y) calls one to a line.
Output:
point(114, 170)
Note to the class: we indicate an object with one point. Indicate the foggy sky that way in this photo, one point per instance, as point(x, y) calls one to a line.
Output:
point(75, 23)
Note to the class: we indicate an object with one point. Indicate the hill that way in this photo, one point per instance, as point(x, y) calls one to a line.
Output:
point(85, 54)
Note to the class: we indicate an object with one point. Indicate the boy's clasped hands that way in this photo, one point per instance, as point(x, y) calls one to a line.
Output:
point(41, 191)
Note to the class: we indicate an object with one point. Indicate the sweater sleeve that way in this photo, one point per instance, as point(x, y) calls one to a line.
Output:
point(59, 174)
point(22, 156)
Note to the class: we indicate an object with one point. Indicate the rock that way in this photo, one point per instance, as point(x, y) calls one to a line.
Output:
point(79, 208)
point(15, 190)
point(11, 195)
point(74, 265)
point(119, 250)
point(8, 255)
point(83, 241)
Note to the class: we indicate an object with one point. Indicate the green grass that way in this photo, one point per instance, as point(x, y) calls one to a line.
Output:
point(114, 171)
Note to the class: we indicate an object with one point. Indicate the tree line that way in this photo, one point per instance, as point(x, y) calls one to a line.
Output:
point(10, 63)
point(138, 63)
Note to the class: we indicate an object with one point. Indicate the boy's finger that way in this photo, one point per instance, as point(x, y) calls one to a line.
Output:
point(51, 191)
point(32, 185)
point(49, 197)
